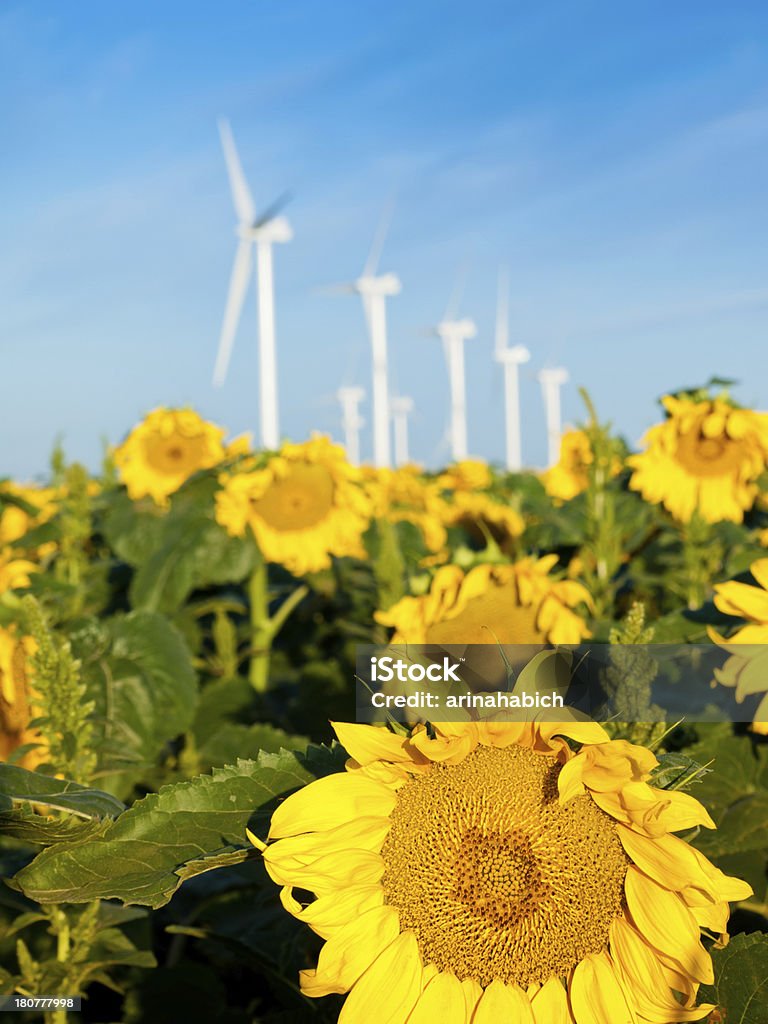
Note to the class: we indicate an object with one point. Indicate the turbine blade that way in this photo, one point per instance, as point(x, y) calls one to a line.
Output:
point(367, 310)
point(502, 311)
point(273, 209)
point(241, 194)
point(372, 263)
point(452, 309)
point(238, 283)
point(335, 289)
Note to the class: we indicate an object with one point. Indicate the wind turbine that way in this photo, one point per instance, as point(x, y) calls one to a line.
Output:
point(402, 407)
point(551, 381)
point(511, 359)
point(351, 421)
point(262, 232)
point(453, 333)
point(375, 289)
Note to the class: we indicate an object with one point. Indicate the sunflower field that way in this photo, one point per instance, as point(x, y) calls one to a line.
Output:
point(194, 828)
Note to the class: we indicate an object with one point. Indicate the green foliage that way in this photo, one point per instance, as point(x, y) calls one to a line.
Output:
point(178, 551)
point(19, 786)
point(741, 980)
point(65, 723)
point(144, 689)
point(185, 829)
point(148, 622)
point(735, 793)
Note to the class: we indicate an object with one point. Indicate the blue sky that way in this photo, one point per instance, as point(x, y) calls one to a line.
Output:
point(614, 156)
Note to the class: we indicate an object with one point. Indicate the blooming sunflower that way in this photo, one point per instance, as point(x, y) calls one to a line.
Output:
point(570, 474)
point(16, 698)
point(490, 874)
point(303, 506)
point(36, 505)
point(704, 457)
point(466, 475)
point(164, 450)
point(404, 495)
point(509, 604)
point(480, 515)
point(747, 669)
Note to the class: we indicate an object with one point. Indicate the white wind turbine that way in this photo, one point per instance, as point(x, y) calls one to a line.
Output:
point(511, 359)
point(351, 421)
point(402, 407)
point(261, 231)
point(374, 289)
point(551, 381)
point(453, 333)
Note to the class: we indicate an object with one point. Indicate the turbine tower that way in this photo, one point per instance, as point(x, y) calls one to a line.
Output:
point(402, 407)
point(374, 289)
point(351, 421)
point(551, 381)
point(453, 333)
point(261, 231)
point(511, 359)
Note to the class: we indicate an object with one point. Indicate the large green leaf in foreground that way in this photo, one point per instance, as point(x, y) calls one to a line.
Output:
point(741, 980)
point(185, 829)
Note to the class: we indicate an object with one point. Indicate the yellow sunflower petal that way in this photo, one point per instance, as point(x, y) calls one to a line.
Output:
point(550, 1004)
point(640, 967)
point(390, 988)
point(507, 1003)
point(331, 801)
point(441, 1001)
point(328, 914)
point(666, 859)
point(680, 811)
point(596, 995)
point(472, 993)
point(329, 872)
point(667, 924)
point(351, 951)
point(367, 743)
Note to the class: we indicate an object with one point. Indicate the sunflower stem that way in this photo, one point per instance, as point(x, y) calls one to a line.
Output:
point(264, 628)
point(601, 553)
point(261, 627)
point(701, 555)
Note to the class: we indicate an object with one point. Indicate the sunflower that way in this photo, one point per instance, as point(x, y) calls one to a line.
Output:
point(466, 475)
point(481, 516)
point(704, 458)
point(404, 495)
point(488, 873)
point(164, 450)
point(23, 507)
point(303, 506)
point(16, 698)
point(747, 669)
point(507, 604)
point(570, 474)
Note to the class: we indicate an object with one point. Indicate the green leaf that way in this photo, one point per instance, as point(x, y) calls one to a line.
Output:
point(735, 793)
point(192, 551)
point(17, 785)
point(183, 830)
point(29, 827)
point(677, 771)
point(145, 690)
point(133, 528)
point(741, 980)
point(232, 741)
